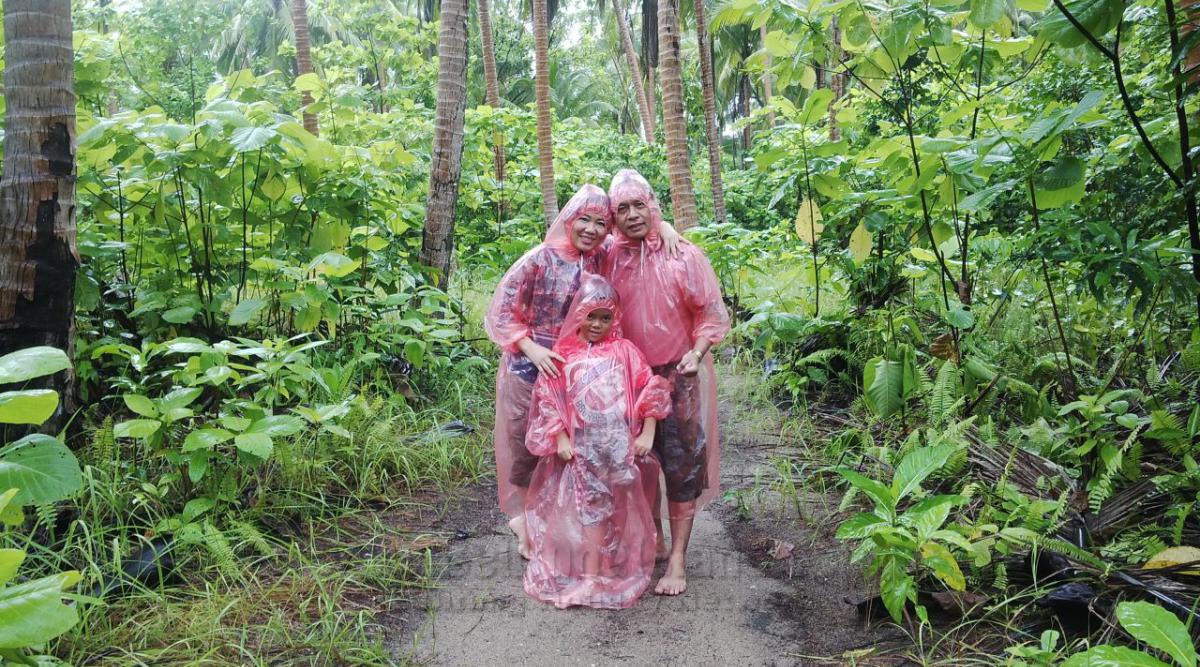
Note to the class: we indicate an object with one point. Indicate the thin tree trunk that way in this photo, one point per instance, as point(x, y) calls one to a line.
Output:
point(635, 70)
point(710, 111)
point(492, 85)
point(767, 76)
point(38, 257)
point(683, 200)
point(744, 112)
point(837, 80)
point(437, 243)
point(303, 58)
point(545, 120)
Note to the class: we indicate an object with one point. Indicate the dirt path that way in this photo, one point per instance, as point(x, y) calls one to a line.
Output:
point(749, 601)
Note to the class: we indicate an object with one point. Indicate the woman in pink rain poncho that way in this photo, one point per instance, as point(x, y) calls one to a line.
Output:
point(524, 318)
point(589, 506)
point(673, 313)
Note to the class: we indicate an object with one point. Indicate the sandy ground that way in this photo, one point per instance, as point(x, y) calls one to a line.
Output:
point(748, 602)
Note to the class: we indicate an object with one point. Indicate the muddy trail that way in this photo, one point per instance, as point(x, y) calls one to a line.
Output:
point(764, 587)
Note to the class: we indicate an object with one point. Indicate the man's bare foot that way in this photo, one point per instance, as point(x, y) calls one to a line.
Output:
point(517, 526)
point(662, 552)
point(674, 580)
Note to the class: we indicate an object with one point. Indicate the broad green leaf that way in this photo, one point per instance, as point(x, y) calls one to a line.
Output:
point(277, 425)
point(29, 406)
point(180, 315)
point(859, 526)
point(1098, 17)
point(896, 587)
point(140, 405)
point(334, 265)
point(1154, 626)
point(939, 560)
point(883, 382)
point(247, 139)
point(205, 438)
point(307, 82)
point(916, 466)
point(959, 317)
point(1062, 184)
point(33, 613)
point(136, 428)
point(32, 362)
point(179, 398)
point(10, 561)
point(258, 444)
point(860, 244)
point(246, 311)
point(414, 351)
point(41, 468)
point(986, 12)
point(815, 107)
point(877, 491)
point(1112, 656)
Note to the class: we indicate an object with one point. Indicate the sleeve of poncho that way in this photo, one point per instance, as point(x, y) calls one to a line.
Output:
point(653, 391)
point(703, 291)
point(507, 319)
point(548, 417)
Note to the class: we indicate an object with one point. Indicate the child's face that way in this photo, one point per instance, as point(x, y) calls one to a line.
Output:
point(596, 326)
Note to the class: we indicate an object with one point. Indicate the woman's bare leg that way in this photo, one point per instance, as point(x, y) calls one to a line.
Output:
point(518, 527)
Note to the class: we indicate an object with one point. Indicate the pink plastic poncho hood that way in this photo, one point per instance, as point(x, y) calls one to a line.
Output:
point(628, 185)
point(532, 300)
point(590, 518)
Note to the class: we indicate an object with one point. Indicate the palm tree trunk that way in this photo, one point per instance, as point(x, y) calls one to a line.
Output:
point(767, 76)
point(707, 87)
point(491, 84)
point(683, 199)
point(38, 257)
point(545, 136)
point(744, 112)
point(303, 58)
point(437, 242)
point(636, 71)
point(652, 97)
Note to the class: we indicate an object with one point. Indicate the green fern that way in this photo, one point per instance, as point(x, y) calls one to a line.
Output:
point(945, 394)
point(1064, 548)
point(221, 551)
point(253, 537)
point(1000, 581)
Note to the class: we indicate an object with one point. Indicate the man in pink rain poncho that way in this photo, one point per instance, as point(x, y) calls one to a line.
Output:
point(524, 319)
point(673, 313)
point(588, 510)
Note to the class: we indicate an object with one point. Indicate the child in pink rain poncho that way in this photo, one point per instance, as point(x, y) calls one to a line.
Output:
point(524, 319)
point(673, 313)
point(589, 506)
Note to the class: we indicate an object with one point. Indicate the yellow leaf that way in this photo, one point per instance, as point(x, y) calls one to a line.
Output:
point(860, 243)
point(1172, 557)
point(808, 222)
point(808, 79)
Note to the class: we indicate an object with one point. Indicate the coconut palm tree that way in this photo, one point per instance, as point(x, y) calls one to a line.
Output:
point(683, 199)
point(708, 91)
point(644, 109)
point(545, 119)
point(492, 85)
point(38, 256)
point(303, 59)
point(437, 241)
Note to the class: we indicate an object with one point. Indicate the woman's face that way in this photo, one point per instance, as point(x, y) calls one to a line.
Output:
point(596, 326)
point(588, 231)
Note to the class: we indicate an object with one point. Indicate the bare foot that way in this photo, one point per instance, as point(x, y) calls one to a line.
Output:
point(662, 552)
point(517, 526)
point(674, 580)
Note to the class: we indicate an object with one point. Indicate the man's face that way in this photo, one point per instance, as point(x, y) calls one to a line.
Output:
point(633, 219)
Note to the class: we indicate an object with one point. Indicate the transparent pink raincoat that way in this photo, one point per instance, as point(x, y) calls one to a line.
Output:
point(669, 303)
point(532, 300)
point(589, 518)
